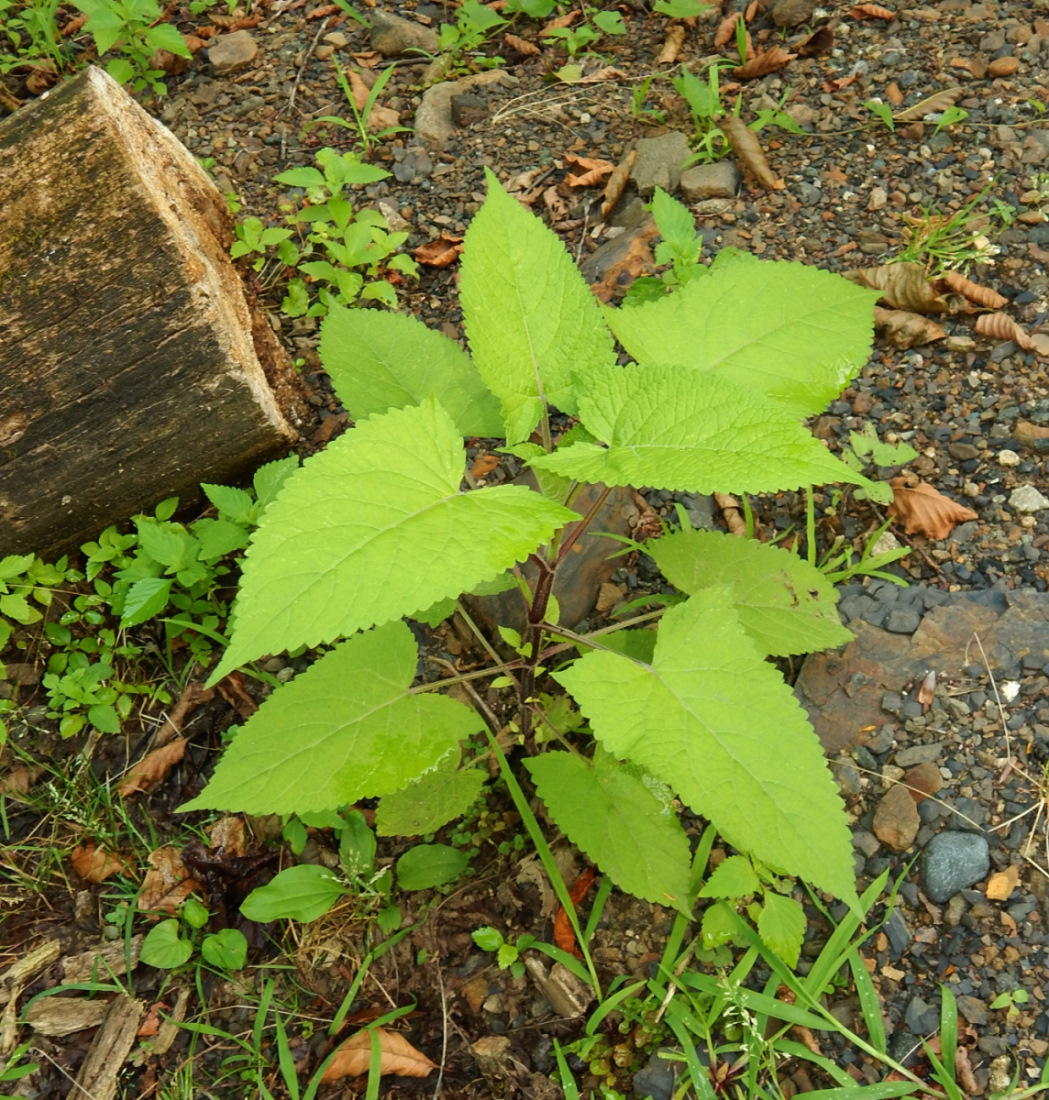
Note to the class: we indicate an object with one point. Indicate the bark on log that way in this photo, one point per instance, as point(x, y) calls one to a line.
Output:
point(131, 364)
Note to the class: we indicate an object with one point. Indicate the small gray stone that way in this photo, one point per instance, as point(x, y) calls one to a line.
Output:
point(710, 181)
point(230, 53)
point(918, 754)
point(656, 1078)
point(903, 620)
point(1027, 499)
point(391, 35)
point(792, 13)
point(468, 109)
point(973, 1009)
point(921, 1017)
point(952, 861)
point(659, 162)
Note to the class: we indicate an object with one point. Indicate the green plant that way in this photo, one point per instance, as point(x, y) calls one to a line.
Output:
point(365, 138)
point(1010, 1000)
point(134, 28)
point(577, 40)
point(327, 226)
point(168, 947)
point(508, 955)
point(949, 117)
point(378, 527)
point(944, 243)
point(883, 112)
point(638, 110)
point(704, 102)
point(458, 43)
point(32, 35)
point(14, 1069)
point(26, 580)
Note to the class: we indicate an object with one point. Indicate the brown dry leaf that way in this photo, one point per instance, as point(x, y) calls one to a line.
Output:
point(174, 64)
point(42, 77)
point(764, 63)
point(726, 31)
point(964, 1072)
point(382, 118)
point(441, 252)
point(927, 692)
point(981, 295)
point(591, 171)
point(194, 694)
point(560, 21)
point(672, 44)
point(902, 286)
point(732, 512)
point(840, 83)
point(73, 26)
point(19, 780)
point(753, 8)
point(483, 465)
point(1002, 883)
point(153, 767)
point(167, 883)
point(231, 687)
point(746, 146)
point(933, 104)
point(360, 90)
point(322, 11)
point(600, 75)
point(529, 49)
point(1000, 326)
point(369, 58)
point(94, 864)
point(151, 1022)
point(902, 329)
point(556, 206)
point(617, 181)
point(398, 1056)
point(871, 11)
point(227, 835)
point(820, 41)
point(194, 42)
point(630, 259)
point(925, 510)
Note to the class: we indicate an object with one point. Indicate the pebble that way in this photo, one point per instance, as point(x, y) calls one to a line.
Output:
point(392, 36)
point(1027, 499)
point(656, 1078)
point(229, 53)
point(896, 820)
point(659, 161)
point(951, 861)
point(710, 181)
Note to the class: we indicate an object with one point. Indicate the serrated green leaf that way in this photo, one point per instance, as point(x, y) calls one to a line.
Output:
point(783, 603)
point(380, 360)
point(680, 9)
point(436, 613)
point(781, 924)
point(218, 537)
point(166, 37)
point(785, 330)
point(145, 600)
point(167, 543)
point(529, 315)
point(428, 803)
point(671, 428)
point(327, 738)
point(732, 878)
point(639, 645)
point(376, 527)
point(676, 225)
point(14, 565)
point(712, 718)
point(300, 177)
point(429, 865)
point(268, 480)
point(487, 938)
point(301, 893)
point(233, 502)
point(605, 809)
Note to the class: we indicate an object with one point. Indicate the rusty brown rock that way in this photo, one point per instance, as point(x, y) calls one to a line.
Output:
point(1003, 66)
point(896, 820)
point(923, 780)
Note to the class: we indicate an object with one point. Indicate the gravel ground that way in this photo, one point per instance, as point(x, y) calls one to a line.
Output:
point(975, 409)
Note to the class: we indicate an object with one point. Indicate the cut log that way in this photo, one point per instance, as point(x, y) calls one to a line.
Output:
point(131, 364)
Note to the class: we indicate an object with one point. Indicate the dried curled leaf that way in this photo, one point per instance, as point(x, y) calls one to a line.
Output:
point(903, 329)
point(925, 510)
point(167, 883)
point(746, 146)
point(871, 11)
point(564, 937)
point(933, 104)
point(360, 90)
point(617, 181)
point(528, 49)
point(153, 767)
point(902, 286)
point(441, 252)
point(93, 863)
point(672, 44)
point(820, 41)
point(764, 63)
point(398, 1057)
point(981, 295)
point(587, 171)
point(1001, 326)
point(726, 31)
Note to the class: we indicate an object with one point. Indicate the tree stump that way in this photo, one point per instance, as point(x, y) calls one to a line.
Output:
point(131, 364)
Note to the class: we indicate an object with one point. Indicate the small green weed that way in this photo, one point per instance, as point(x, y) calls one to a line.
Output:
point(508, 955)
point(354, 246)
point(578, 40)
point(957, 241)
point(704, 102)
point(29, 35)
point(638, 95)
point(1010, 1001)
point(459, 43)
point(135, 29)
point(169, 946)
point(366, 139)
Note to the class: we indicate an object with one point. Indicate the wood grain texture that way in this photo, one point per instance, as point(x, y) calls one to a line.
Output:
point(131, 365)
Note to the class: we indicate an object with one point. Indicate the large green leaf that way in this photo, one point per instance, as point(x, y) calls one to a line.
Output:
point(429, 802)
point(347, 728)
point(376, 527)
point(529, 315)
point(607, 810)
point(380, 360)
point(786, 330)
point(712, 718)
point(783, 603)
point(670, 428)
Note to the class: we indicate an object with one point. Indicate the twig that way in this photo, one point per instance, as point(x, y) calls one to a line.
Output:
point(298, 77)
point(444, 1031)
